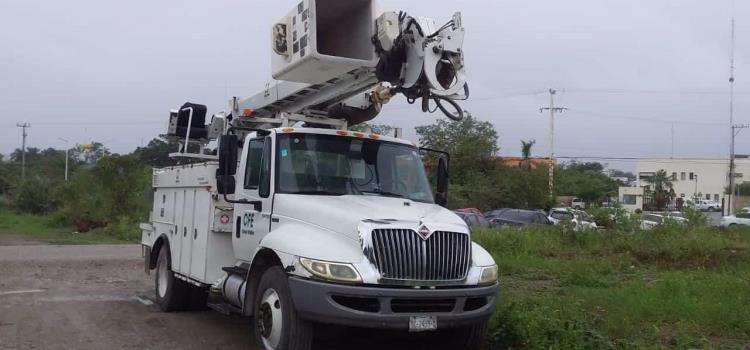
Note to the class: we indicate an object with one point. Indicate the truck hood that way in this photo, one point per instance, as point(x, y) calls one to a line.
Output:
point(343, 214)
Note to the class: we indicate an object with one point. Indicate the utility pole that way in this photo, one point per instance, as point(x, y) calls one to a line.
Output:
point(735, 130)
point(730, 201)
point(552, 109)
point(66, 155)
point(23, 148)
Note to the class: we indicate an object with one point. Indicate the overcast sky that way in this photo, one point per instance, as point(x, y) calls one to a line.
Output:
point(110, 71)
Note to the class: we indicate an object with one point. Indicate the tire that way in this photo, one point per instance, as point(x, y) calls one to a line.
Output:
point(467, 337)
point(171, 293)
point(272, 308)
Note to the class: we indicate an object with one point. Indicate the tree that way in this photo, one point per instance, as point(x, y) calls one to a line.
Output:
point(584, 180)
point(477, 177)
point(663, 189)
point(471, 143)
point(156, 153)
point(380, 129)
point(526, 153)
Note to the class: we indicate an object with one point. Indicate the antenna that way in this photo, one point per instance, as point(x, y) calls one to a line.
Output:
point(730, 203)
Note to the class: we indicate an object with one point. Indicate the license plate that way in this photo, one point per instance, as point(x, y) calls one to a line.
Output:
point(422, 323)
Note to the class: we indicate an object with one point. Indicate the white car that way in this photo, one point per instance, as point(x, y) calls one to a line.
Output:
point(578, 203)
point(649, 221)
point(705, 205)
point(580, 220)
point(736, 219)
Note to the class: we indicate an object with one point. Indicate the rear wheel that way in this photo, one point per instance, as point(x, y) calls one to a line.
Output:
point(277, 326)
point(170, 292)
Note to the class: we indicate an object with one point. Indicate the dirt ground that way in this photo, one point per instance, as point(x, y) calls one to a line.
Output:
point(98, 297)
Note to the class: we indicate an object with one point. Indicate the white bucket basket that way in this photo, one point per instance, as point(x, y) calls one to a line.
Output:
point(322, 39)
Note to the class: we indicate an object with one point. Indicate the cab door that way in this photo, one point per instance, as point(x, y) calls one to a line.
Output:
point(254, 184)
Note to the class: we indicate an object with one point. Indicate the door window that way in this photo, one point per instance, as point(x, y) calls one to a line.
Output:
point(264, 189)
point(258, 166)
point(253, 165)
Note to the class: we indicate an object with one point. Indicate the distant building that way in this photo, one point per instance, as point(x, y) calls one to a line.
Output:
point(702, 177)
point(631, 198)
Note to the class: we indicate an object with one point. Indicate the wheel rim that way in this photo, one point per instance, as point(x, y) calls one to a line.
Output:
point(161, 280)
point(269, 319)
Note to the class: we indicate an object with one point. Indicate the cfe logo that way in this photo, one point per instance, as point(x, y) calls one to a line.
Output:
point(248, 222)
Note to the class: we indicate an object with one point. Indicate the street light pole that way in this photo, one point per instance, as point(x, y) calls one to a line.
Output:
point(66, 156)
point(695, 193)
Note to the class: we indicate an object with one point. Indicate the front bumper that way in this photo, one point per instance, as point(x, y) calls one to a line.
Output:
point(376, 307)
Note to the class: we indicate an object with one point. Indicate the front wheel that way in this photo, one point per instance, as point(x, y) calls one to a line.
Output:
point(277, 326)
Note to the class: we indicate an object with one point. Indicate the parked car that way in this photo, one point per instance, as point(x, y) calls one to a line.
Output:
point(474, 220)
point(578, 203)
point(649, 220)
point(736, 219)
point(560, 215)
point(584, 220)
point(519, 217)
point(495, 212)
point(704, 205)
point(469, 210)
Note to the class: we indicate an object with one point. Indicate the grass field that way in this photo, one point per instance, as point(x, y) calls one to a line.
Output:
point(668, 288)
point(45, 228)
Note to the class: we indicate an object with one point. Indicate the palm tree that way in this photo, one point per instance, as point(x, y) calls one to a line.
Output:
point(663, 189)
point(526, 153)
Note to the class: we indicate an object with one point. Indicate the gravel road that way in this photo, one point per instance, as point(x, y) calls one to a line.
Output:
point(98, 297)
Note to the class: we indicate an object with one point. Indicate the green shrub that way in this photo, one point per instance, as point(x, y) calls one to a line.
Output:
point(35, 195)
point(673, 287)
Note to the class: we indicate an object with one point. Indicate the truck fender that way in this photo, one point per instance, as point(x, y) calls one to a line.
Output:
point(285, 244)
point(161, 242)
point(480, 256)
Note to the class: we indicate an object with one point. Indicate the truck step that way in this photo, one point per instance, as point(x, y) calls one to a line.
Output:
point(225, 308)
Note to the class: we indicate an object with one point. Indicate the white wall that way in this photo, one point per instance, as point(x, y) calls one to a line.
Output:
point(711, 174)
point(634, 191)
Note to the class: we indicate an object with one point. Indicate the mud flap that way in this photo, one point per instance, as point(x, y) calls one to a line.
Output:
point(146, 251)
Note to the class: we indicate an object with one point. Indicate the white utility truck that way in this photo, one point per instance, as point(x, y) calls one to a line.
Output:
point(293, 219)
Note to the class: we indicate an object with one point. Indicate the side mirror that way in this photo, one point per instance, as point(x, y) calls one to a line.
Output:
point(441, 195)
point(227, 164)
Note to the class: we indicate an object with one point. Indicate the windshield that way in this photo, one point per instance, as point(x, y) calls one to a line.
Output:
point(562, 215)
point(335, 165)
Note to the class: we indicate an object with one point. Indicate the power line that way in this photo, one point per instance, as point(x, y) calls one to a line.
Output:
point(617, 91)
point(645, 119)
point(659, 160)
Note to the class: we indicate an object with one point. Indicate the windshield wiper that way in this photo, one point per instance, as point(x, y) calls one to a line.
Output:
point(385, 194)
point(320, 192)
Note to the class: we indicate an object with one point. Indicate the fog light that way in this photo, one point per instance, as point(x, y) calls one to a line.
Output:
point(331, 271)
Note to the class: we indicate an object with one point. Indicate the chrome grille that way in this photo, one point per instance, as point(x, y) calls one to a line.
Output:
point(403, 254)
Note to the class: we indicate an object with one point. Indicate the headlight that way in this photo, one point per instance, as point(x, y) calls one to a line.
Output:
point(331, 271)
point(488, 275)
